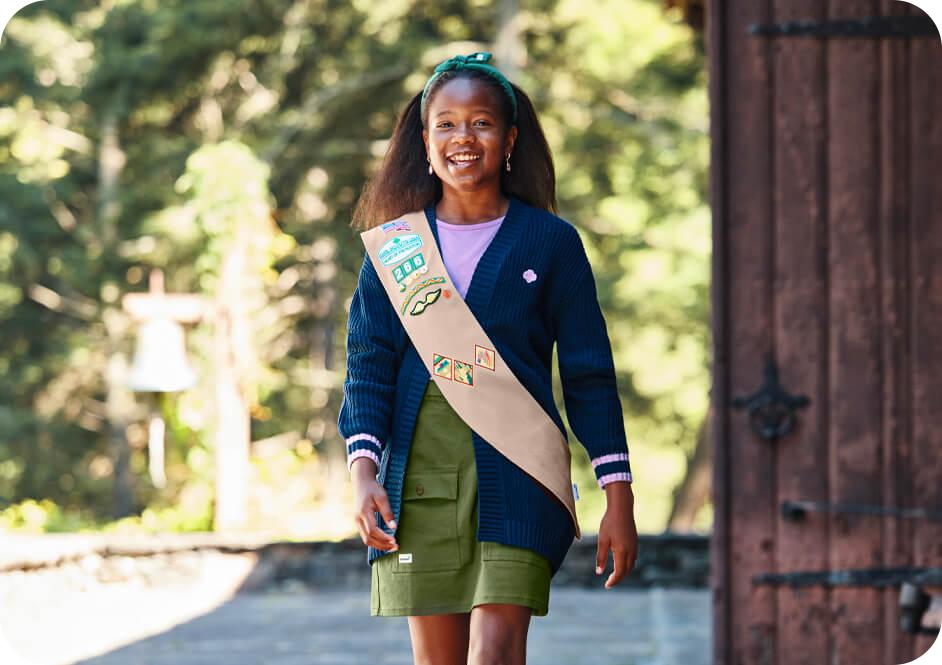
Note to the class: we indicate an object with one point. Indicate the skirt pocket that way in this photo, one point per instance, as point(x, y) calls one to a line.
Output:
point(428, 522)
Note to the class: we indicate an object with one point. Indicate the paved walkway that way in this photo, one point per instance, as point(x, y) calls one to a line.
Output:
point(583, 628)
point(197, 621)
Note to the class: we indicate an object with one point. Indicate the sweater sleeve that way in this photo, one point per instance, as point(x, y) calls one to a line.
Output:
point(587, 370)
point(370, 384)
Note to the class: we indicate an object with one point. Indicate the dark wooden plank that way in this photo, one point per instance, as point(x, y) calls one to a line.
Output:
point(801, 323)
point(855, 368)
point(720, 573)
point(749, 291)
point(895, 305)
point(926, 277)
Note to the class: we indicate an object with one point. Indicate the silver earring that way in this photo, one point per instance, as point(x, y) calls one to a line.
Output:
point(508, 161)
point(429, 165)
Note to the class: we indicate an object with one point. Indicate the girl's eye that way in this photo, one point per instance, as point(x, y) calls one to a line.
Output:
point(446, 122)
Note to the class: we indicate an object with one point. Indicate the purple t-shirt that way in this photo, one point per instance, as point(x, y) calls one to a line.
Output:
point(462, 247)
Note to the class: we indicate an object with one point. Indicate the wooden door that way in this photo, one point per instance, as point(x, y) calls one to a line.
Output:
point(827, 200)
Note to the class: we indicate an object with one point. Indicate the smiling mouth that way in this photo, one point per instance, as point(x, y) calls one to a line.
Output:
point(463, 163)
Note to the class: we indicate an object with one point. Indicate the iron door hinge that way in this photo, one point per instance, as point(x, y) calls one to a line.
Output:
point(798, 510)
point(873, 27)
point(771, 409)
point(859, 577)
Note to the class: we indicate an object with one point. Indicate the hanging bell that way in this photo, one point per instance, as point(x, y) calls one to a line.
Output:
point(160, 366)
point(160, 363)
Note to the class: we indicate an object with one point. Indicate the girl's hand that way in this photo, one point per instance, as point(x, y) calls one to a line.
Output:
point(370, 496)
point(617, 532)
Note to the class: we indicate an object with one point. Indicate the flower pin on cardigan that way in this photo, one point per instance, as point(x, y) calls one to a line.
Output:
point(529, 275)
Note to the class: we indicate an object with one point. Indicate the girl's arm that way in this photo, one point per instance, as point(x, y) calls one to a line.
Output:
point(586, 367)
point(372, 365)
point(594, 409)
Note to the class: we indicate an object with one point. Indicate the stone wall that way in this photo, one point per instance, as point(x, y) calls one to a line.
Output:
point(666, 560)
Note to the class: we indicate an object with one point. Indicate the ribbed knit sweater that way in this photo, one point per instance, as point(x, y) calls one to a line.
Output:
point(532, 287)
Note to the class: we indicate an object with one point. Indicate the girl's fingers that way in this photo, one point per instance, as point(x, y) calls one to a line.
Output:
point(378, 538)
point(381, 541)
point(361, 529)
point(619, 556)
point(601, 554)
point(382, 503)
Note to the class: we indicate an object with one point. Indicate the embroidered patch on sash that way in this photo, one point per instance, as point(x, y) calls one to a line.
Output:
point(441, 365)
point(398, 225)
point(464, 373)
point(484, 357)
point(398, 248)
point(422, 305)
point(411, 278)
point(409, 270)
point(418, 287)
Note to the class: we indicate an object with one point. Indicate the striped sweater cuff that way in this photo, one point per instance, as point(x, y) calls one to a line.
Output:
point(609, 468)
point(363, 445)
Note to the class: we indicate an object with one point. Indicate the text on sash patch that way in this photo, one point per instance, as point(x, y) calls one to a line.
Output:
point(410, 270)
point(397, 248)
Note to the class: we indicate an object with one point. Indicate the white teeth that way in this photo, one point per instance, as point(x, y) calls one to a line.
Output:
point(465, 158)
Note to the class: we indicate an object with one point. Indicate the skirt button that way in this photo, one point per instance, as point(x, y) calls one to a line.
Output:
point(419, 490)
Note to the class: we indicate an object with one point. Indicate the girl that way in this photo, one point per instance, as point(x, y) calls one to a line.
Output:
point(460, 539)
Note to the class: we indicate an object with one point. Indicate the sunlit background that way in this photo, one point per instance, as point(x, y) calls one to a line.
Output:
point(206, 156)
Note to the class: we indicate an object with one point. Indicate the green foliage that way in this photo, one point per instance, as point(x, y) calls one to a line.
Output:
point(627, 119)
point(137, 134)
point(45, 516)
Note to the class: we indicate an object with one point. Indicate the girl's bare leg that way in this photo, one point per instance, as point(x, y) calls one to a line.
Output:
point(498, 634)
point(440, 639)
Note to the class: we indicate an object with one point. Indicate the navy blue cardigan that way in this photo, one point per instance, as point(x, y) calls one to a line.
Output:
point(386, 379)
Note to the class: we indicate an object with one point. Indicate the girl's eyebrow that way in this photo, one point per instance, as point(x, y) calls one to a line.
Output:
point(479, 109)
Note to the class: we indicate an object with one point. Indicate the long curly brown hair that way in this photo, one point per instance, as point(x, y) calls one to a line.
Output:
point(402, 184)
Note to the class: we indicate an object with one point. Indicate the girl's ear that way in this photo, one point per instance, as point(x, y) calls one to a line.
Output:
point(425, 139)
point(511, 139)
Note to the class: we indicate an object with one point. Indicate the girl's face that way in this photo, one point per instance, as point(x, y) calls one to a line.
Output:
point(465, 119)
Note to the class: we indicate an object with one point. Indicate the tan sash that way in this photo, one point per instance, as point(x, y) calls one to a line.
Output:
point(461, 358)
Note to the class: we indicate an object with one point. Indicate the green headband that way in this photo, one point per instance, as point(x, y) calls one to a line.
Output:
point(476, 61)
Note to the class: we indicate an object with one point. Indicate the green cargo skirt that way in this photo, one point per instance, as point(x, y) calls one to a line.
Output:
point(441, 567)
